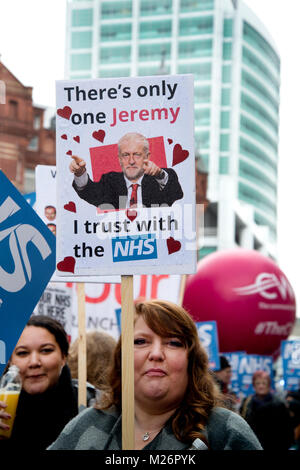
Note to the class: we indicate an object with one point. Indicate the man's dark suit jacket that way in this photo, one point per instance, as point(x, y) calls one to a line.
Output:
point(112, 187)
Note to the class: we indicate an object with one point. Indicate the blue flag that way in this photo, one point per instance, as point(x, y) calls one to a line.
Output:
point(27, 262)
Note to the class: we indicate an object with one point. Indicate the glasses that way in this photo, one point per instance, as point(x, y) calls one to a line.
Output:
point(135, 155)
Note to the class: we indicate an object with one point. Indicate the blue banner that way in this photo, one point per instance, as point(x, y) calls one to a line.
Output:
point(248, 364)
point(234, 360)
point(27, 262)
point(30, 198)
point(290, 353)
point(208, 334)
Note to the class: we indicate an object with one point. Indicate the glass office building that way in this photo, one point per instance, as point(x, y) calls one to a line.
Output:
point(236, 70)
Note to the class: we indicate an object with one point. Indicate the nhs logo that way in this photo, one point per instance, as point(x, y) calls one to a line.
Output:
point(134, 248)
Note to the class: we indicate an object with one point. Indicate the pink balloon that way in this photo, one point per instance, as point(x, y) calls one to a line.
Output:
point(248, 296)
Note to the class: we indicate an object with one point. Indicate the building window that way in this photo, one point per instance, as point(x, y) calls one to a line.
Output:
point(112, 55)
point(251, 151)
point(34, 143)
point(224, 165)
point(113, 10)
point(252, 37)
point(29, 181)
point(225, 97)
point(253, 85)
point(202, 94)
point(252, 61)
point(149, 52)
point(155, 7)
point(202, 117)
point(225, 119)
point(224, 142)
point(193, 26)
point(227, 50)
point(155, 29)
point(201, 71)
point(252, 107)
point(195, 49)
point(37, 121)
point(203, 140)
point(228, 23)
point(116, 32)
point(81, 61)
point(82, 17)
point(226, 73)
point(251, 173)
point(81, 40)
point(13, 109)
point(253, 130)
point(196, 5)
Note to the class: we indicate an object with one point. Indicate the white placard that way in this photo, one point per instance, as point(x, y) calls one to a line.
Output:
point(92, 117)
point(103, 301)
point(45, 206)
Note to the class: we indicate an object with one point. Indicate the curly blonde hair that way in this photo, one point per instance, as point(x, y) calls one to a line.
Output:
point(100, 348)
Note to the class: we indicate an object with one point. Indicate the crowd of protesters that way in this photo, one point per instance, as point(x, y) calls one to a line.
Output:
point(179, 402)
point(274, 419)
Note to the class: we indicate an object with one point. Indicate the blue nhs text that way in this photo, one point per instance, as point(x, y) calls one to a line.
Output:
point(134, 248)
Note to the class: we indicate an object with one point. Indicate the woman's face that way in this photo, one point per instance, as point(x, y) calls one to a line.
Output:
point(39, 358)
point(261, 386)
point(160, 367)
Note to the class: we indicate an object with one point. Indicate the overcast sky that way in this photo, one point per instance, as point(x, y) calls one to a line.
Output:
point(32, 46)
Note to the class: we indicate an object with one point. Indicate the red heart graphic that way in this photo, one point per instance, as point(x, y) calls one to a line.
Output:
point(76, 138)
point(170, 141)
point(65, 112)
point(173, 245)
point(71, 206)
point(131, 214)
point(64, 136)
point(179, 155)
point(69, 152)
point(67, 265)
point(99, 135)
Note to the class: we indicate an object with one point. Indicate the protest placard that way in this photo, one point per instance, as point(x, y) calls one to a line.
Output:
point(45, 206)
point(100, 233)
point(208, 335)
point(126, 185)
point(290, 353)
point(250, 363)
point(27, 262)
point(57, 301)
point(234, 361)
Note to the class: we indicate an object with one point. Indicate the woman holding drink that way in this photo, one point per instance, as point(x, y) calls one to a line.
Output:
point(48, 399)
point(176, 400)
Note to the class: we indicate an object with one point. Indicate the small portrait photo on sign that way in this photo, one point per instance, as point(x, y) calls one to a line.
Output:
point(126, 176)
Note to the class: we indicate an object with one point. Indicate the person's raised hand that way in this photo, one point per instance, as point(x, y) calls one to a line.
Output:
point(77, 166)
point(150, 168)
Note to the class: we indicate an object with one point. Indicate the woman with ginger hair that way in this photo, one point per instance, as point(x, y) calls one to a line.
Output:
point(176, 400)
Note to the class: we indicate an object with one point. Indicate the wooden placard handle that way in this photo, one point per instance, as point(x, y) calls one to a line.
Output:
point(127, 337)
point(82, 374)
point(181, 289)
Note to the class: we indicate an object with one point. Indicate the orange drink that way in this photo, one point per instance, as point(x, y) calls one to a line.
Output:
point(11, 398)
